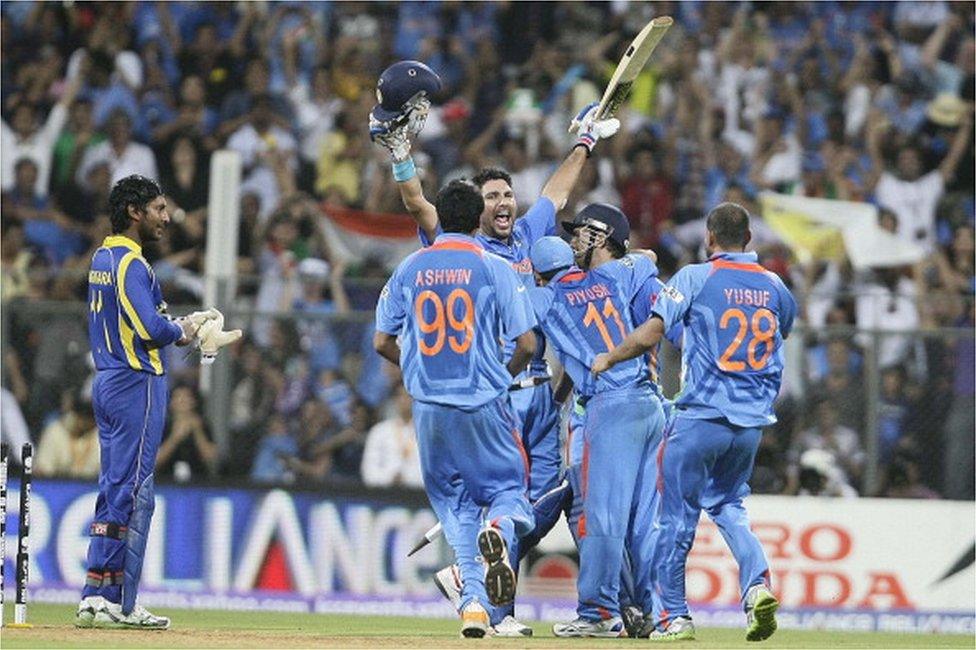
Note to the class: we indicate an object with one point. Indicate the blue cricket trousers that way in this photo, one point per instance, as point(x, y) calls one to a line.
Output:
point(130, 412)
point(473, 460)
point(621, 431)
point(705, 464)
point(539, 416)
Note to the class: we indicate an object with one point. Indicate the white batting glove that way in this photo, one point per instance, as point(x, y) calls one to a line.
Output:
point(395, 134)
point(589, 129)
point(394, 138)
point(213, 337)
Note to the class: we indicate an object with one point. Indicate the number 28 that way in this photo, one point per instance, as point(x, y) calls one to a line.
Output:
point(760, 335)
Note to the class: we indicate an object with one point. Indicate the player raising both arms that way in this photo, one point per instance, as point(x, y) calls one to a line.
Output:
point(736, 315)
point(404, 89)
point(451, 305)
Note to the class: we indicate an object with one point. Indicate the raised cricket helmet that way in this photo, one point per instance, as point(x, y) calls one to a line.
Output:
point(401, 86)
point(595, 224)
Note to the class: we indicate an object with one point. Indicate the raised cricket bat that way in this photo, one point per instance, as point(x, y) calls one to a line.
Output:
point(630, 65)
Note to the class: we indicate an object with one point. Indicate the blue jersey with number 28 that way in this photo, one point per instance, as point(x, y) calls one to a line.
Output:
point(735, 315)
point(454, 306)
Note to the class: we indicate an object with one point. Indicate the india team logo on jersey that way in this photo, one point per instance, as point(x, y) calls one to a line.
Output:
point(672, 293)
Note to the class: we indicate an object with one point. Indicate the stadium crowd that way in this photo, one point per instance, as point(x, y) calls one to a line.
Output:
point(857, 101)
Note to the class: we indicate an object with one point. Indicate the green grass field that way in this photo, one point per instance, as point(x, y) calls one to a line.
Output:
point(221, 629)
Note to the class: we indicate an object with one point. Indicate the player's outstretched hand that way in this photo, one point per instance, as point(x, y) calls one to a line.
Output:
point(589, 129)
point(395, 134)
point(392, 136)
point(213, 337)
point(601, 363)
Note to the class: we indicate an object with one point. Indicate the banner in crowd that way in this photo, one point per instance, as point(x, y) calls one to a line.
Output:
point(357, 235)
point(827, 229)
point(836, 564)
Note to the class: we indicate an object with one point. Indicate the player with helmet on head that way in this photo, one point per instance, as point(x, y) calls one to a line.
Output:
point(404, 91)
point(600, 234)
point(584, 313)
point(733, 366)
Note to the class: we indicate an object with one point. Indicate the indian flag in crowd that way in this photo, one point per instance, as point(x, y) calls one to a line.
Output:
point(357, 235)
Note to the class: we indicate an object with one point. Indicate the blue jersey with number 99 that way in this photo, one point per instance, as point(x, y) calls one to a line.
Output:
point(454, 306)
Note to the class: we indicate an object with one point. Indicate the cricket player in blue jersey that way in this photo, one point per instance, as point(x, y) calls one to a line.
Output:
point(404, 90)
point(600, 234)
point(585, 313)
point(452, 305)
point(127, 329)
point(736, 315)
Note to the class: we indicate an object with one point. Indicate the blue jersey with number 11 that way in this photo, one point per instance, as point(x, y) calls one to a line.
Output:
point(454, 305)
point(584, 314)
point(735, 315)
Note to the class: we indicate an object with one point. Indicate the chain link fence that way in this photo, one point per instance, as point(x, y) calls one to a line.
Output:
point(880, 413)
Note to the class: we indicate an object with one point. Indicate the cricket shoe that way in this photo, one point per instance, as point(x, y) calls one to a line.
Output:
point(87, 609)
point(499, 576)
point(474, 621)
point(111, 617)
point(510, 627)
point(609, 628)
point(677, 629)
point(448, 581)
point(761, 606)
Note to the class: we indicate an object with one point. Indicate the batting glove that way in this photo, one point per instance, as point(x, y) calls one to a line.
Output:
point(590, 129)
point(213, 337)
point(395, 134)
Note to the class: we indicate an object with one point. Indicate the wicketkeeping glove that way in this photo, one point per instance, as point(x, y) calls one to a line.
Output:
point(196, 321)
point(590, 129)
point(213, 337)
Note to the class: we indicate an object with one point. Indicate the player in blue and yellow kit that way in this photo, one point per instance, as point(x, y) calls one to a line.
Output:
point(452, 305)
point(736, 315)
point(127, 329)
point(404, 88)
point(584, 313)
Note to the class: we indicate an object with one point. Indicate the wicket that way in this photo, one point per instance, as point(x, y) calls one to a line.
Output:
point(23, 533)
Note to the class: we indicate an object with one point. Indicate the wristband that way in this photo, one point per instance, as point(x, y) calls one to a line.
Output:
point(587, 142)
point(404, 170)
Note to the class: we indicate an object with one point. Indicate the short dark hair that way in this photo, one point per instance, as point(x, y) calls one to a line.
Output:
point(459, 206)
point(616, 250)
point(132, 190)
point(491, 174)
point(729, 223)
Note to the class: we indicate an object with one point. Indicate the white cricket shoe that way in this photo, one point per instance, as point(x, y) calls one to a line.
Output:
point(448, 581)
point(609, 628)
point(510, 627)
point(678, 629)
point(87, 609)
point(111, 617)
point(474, 621)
